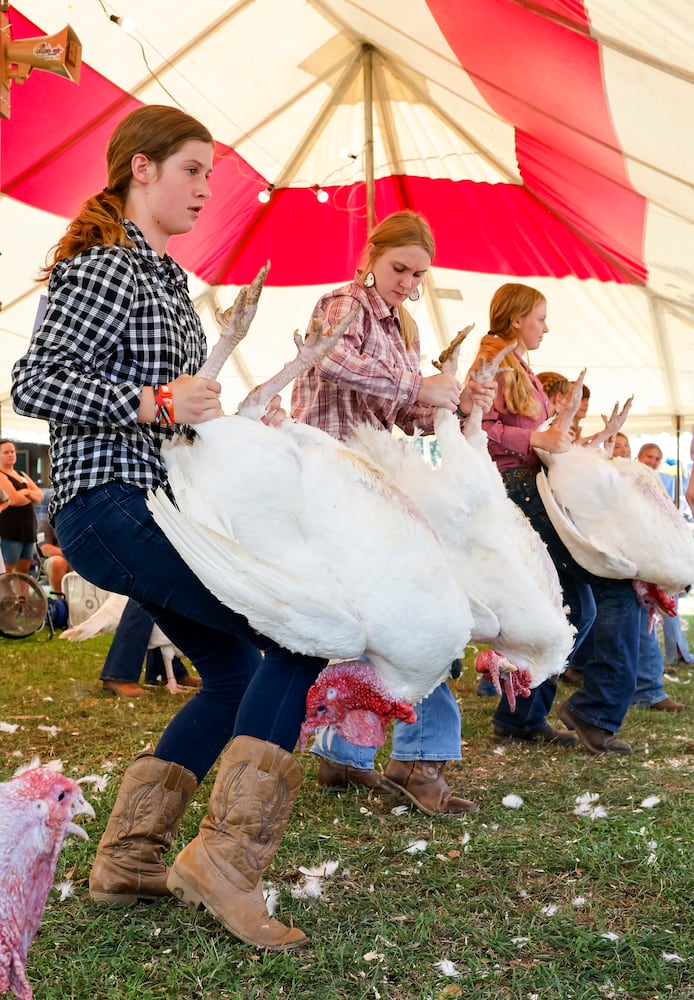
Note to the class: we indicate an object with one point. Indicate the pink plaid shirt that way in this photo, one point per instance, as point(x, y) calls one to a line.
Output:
point(369, 377)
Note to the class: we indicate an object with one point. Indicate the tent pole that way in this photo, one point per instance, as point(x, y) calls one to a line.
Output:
point(367, 53)
point(678, 466)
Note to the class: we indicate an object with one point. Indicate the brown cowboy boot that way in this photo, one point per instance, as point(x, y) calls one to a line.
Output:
point(423, 783)
point(222, 868)
point(150, 804)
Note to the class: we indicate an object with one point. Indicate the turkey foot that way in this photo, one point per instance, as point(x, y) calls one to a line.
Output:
point(504, 675)
point(234, 323)
point(309, 352)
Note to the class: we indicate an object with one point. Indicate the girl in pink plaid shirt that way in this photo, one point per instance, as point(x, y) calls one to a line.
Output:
point(372, 376)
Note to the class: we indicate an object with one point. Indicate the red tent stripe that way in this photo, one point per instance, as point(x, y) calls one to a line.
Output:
point(544, 77)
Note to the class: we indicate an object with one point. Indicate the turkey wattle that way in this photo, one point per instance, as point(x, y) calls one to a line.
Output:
point(312, 542)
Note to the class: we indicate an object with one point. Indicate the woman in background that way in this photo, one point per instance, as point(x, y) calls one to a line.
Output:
point(514, 425)
point(17, 517)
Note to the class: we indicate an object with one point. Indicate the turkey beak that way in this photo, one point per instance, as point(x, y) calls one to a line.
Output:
point(81, 808)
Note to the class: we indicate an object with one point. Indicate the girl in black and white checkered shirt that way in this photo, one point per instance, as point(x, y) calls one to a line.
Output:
point(112, 368)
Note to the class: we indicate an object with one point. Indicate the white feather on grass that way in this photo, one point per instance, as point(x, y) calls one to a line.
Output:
point(447, 968)
point(512, 802)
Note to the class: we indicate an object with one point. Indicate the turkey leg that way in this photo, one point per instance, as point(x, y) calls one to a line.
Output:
point(309, 352)
point(234, 322)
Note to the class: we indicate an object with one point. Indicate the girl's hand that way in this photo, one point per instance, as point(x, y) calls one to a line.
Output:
point(274, 415)
point(553, 440)
point(441, 390)
point(195, 400)
point(477, 394)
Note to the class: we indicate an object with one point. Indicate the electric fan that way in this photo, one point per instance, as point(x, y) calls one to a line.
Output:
point(23, 605)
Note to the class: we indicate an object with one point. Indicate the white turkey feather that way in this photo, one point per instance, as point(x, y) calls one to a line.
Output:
point(496, 556)
point(625, 525)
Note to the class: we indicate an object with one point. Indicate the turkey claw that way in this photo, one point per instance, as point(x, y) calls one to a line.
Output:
point(504, 675)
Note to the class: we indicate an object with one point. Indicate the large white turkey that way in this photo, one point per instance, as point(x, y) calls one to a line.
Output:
point(496, 556)
point(310, 540)
point(613, 514)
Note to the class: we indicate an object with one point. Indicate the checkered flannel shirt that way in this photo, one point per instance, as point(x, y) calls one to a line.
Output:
point(117, 319)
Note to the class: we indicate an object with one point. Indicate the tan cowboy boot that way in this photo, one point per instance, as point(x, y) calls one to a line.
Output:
point(423, 783)
point(150, 804)
point(222, 868)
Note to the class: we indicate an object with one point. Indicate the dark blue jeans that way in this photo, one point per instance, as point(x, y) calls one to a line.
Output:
point(609, 676)
point(110, 538)
point(531, 713)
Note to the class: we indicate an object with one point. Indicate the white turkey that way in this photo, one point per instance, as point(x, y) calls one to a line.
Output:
point(310, 540)
point(614, 515)
point(105, 621)
point(497, 557)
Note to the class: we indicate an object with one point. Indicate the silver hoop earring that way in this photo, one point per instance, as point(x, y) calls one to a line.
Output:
point(414, 295)
point(369, 279)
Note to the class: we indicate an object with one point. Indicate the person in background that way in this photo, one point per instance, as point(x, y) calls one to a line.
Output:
point(650, 692)
point(122, 667)
point(676, 646)
point(651, 455)
point(373, 376)
point(556, 387)
point(17, 517)
point(622, 448)
point(54, 562)
point(595, 712)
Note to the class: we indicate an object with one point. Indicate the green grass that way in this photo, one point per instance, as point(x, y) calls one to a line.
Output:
point(476, 896)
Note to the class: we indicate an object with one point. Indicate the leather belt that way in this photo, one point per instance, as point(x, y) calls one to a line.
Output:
point(522, 472)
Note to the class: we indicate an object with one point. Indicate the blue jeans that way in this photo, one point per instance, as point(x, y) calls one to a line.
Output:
point(12, 551)
point(609, 676)
point(129, 648)
point(531, 713)
point(109, 536)
point(649, 675)
point(676, 645)
point(436, 735)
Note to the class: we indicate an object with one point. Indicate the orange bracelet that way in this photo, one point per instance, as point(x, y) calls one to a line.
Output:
point(163, 405)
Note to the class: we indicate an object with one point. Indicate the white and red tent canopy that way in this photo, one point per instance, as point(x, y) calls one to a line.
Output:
point(546, 141)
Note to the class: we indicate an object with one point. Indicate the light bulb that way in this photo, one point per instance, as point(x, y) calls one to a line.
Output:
point(126, 24)
point(321, 195)
point(264, 195)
